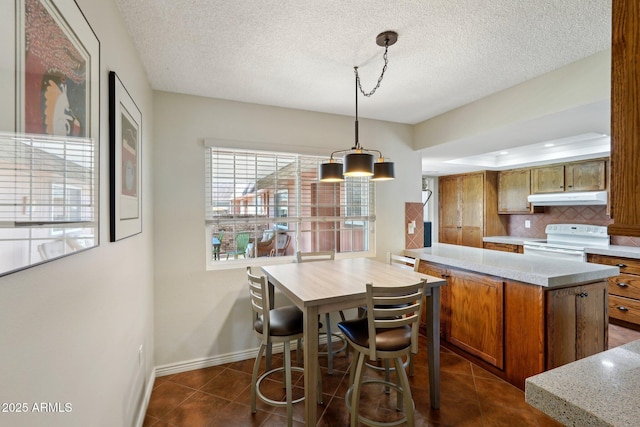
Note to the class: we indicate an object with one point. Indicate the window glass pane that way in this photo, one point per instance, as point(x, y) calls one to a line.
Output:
point(262, 204)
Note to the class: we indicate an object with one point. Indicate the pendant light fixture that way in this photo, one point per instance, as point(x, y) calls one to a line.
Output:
point(359, 161)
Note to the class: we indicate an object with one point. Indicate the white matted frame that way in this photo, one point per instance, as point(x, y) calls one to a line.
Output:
point(125, 161)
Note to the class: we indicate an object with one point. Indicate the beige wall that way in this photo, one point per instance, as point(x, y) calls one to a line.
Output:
point(573, 87)
point(202, 314)
point(70, 329)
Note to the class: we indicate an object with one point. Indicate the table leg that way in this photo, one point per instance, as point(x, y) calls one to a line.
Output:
point(433, 343)
point(311, 367)
point(269, 350)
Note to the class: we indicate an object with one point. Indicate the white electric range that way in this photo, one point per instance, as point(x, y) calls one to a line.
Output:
point(568, 241)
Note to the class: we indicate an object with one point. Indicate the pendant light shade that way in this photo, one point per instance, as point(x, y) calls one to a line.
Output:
point(358, 164)
point(331, 172)
point(383, 171)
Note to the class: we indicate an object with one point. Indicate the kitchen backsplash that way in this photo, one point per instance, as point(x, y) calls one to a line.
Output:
point(413, 212)
point(594, 215)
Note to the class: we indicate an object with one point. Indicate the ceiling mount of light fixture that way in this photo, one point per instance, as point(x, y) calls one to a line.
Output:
point(359, 161)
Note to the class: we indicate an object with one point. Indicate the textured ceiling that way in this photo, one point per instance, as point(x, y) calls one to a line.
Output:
point(300, 54)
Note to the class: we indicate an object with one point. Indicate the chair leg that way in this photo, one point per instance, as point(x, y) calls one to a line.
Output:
point(406, 393)
point(410, 364)
point(254, 377)
point(287, 380)
point(355, 393)
point(387, 376)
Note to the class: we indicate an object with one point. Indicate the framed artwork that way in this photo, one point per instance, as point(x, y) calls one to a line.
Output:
point(125, 138)
point(49, 133)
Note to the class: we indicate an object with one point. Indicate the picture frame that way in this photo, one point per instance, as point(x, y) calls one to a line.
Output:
point(125, 161)
point(49, 133)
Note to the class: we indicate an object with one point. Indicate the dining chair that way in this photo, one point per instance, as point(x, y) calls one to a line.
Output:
point(323, 256)
point(274, 325)
point(388, 332)
point(242, 241)
point(408, 263)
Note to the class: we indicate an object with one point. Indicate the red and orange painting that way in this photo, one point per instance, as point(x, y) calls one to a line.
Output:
point(55, 79)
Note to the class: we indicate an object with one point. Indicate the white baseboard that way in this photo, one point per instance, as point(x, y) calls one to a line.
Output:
point(147, 396)
point(222, 359)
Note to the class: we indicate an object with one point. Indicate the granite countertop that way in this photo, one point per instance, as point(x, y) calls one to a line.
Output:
point(612, 250)
point(539, 271)
point(599, 390)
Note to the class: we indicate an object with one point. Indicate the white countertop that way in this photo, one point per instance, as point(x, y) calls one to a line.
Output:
point(599, 390)
point(511, 240)
point(539, 271)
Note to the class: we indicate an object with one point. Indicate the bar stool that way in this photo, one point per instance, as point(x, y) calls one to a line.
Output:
point(390, 331)
point(399, 261)
point(274, 325)
point(321, 256)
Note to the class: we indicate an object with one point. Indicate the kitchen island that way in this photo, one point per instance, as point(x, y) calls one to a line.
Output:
point(517, 315)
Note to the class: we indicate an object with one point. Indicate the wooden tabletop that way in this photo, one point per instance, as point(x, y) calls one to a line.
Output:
point(334, 281)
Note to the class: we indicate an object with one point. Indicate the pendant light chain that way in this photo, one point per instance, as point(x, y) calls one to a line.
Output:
point(384, 68)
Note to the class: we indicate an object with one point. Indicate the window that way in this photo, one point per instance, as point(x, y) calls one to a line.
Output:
point(267, 204)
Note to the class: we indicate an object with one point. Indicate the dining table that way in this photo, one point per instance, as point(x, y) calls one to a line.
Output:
point(328, 286)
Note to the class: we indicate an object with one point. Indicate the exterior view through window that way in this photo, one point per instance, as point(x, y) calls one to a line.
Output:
point(266, 204)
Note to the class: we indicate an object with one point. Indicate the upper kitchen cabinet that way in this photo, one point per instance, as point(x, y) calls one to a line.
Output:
point(468, 208)
point(513, 188)
point(579, 176)
point(625, 118)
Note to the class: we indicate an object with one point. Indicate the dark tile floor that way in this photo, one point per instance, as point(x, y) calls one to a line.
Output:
point(470, 396)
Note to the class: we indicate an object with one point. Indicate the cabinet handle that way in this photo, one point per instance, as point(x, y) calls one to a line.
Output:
point(622, 308)
point(622, 285)
point(583, 294)
point(568, 186)
point(621, 265)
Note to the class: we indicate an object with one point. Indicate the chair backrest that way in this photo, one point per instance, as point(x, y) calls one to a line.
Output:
point(402, 261)
point(315, 256)
point(282, 241)
point(394, 307)
point(242, 241)
point(260, 303)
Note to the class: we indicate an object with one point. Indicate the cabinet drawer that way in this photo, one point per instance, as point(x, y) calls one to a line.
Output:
point(626, 265)
point(625, 285)
point(624, 309)
point(504, 247)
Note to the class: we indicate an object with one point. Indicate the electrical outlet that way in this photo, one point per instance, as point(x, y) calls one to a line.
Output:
point(527, 223)
point(140, 355)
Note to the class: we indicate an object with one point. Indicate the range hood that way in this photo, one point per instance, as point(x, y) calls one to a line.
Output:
point(569, 198)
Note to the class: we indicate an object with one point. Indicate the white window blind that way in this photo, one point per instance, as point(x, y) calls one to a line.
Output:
point(46, 180)
point(277, 200)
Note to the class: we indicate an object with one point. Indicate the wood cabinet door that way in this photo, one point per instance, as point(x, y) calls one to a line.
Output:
point(476, 307)
point(576, 323)
point(449, 210)
point(513, 188)
point(472, 210)
point(585, 176)
point(445, 312)
point(548, 179)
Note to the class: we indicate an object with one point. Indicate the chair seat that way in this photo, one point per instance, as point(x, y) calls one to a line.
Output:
point(393, 339)
point(283, 321)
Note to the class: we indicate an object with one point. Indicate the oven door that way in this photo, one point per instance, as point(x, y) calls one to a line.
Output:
point(555, 253)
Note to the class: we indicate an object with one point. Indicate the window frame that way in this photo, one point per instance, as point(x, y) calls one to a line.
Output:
point(294, 223)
